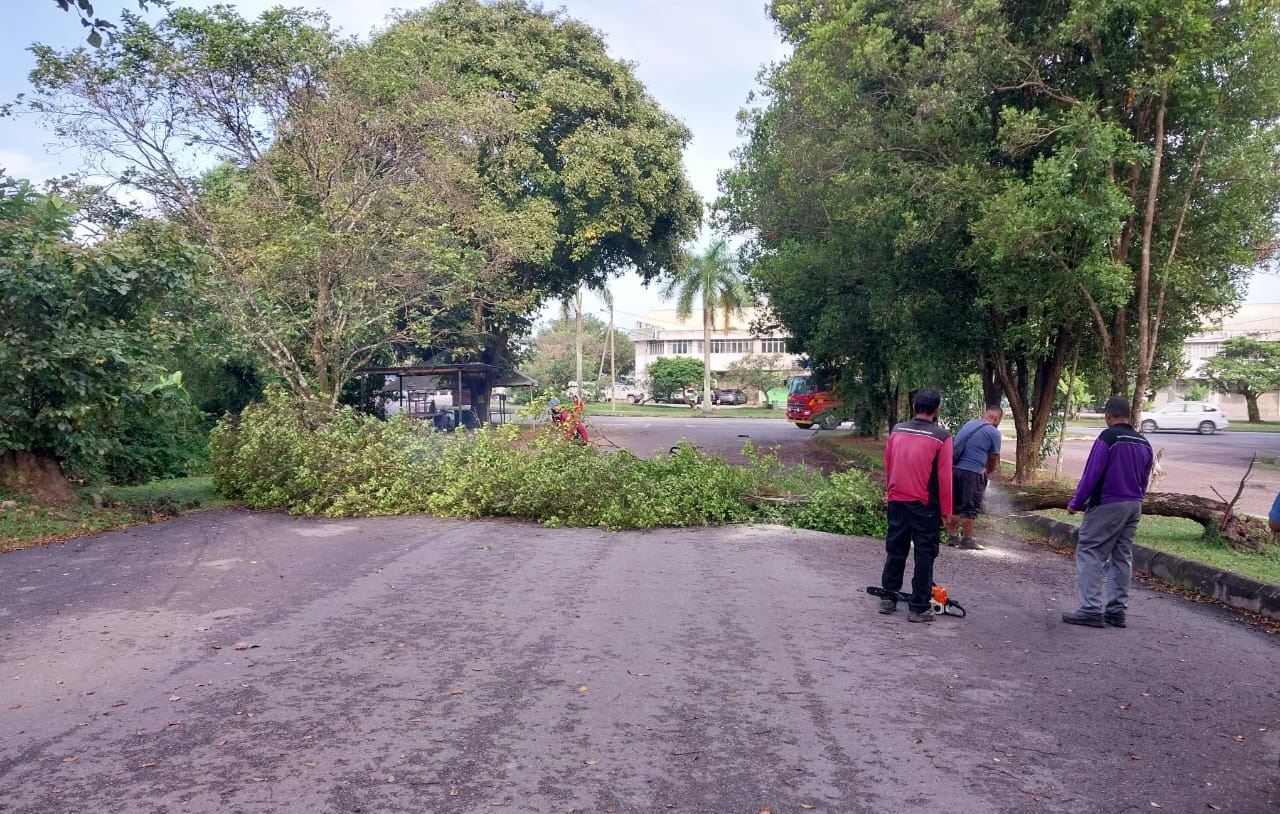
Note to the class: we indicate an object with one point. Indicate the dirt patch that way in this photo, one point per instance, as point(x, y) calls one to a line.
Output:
point(824, 453)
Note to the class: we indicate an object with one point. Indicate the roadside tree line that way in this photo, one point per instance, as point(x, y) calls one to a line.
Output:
point(337, 204)
point(931, 191)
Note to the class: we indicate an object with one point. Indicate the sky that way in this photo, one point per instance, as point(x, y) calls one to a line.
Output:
point(699, 59)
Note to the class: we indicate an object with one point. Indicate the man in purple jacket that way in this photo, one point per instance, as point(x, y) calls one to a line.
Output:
point(1110, 492)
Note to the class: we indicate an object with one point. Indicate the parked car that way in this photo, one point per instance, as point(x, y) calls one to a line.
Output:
point(728, 396)
point(1201, 416)
point(621, 391)
point(681, 396)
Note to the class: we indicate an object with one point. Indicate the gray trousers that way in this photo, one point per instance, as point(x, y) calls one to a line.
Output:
point(1104, 553)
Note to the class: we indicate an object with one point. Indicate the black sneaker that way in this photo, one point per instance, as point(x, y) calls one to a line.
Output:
point(1115, 619)
point(922, 616)
point(970, 544)
point(888, 606)
point(1086, 619)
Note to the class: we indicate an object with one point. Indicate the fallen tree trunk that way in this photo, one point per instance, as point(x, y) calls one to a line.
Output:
point(1047, 495)
point(1215, 515)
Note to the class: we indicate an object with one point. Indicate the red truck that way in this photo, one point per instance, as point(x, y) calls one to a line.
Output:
point(811, 400)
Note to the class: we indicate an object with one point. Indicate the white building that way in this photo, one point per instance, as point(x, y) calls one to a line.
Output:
point(1254, 320)
point(661, 333)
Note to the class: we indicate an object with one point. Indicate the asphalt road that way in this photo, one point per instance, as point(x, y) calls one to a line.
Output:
point(1194, 464)
point(1205, 465)
point(253, 662)
point(721, 435)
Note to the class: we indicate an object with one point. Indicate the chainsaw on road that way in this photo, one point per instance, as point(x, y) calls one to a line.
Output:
point(939, 602)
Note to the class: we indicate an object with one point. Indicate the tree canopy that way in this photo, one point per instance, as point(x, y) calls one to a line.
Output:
point(416, 196)
point(935, 190)
point(670, 374)
point(81, 327)
point(1247, 367)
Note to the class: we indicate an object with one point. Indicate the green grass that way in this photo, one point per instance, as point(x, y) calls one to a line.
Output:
point(25, 524)
point(1245, 426)
point(1185, 538)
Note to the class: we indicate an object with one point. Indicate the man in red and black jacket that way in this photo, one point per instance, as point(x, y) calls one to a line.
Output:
point(917, 474)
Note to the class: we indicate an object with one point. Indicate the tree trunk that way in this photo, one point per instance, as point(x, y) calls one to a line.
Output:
point(1030, 414)
point(891, 405)
point(991, 390)
point(706, 358)
point(1146, 336)
point(1251, 406)
point(37, 476)
point(1212, 514)
point(577, 321)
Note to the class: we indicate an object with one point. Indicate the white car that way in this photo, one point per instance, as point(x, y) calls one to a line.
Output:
point(1201, 416)
point(622, 392)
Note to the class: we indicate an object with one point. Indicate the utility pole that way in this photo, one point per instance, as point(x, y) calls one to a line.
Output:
point(577, 302)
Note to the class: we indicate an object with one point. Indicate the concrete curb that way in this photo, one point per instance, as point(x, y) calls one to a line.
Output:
point(1230, 589)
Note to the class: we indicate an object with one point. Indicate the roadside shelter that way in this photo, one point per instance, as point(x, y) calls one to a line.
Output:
point(448, 395)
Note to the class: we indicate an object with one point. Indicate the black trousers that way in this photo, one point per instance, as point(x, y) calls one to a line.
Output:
point(912, 523)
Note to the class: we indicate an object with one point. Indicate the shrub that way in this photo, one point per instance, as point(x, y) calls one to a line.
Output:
point(308, 460)
point(844, 503)
point(151, 436)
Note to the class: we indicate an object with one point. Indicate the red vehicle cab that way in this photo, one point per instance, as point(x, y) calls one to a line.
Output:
point(811, 400)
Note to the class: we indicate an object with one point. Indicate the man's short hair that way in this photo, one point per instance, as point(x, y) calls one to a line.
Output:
point(994, 408)
point(927, 400)
point(1117, 407)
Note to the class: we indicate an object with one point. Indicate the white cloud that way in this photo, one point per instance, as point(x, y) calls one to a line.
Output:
point(20, 165)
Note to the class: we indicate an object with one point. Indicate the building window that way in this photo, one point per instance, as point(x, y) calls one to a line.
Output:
point(655, 347)
point(730, 345)
point(773, 346)
point(680, 346)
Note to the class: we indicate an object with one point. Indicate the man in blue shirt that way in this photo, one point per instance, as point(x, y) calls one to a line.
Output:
point(976, 455)
point(1110, 492)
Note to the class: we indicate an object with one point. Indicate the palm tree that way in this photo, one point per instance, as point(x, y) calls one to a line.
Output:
point(714, 279)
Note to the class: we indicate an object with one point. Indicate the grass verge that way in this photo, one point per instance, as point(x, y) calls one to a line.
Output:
point(24, 524)
point(1186, 539)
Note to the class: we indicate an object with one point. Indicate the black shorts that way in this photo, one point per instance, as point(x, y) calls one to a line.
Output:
point(967, 491)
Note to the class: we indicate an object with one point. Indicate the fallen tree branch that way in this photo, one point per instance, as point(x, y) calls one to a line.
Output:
point(1231, 506)
point(1214, 515)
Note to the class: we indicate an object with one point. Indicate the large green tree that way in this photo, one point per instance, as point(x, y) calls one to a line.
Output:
point(297, 206)
point(551, 353)
point(82, 329)
point(669, 375)
point(713, 280)
point(579, 167)
point(1245, 366)
point(420, 195)
point(973, 187)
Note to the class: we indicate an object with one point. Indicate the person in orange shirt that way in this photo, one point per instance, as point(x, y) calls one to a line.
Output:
point(917, 473)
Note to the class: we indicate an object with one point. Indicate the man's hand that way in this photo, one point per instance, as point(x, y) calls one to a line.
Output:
point(1070, 510)
point(949, 523)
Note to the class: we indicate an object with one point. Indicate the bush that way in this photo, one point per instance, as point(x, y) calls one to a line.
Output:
point(146, 437)
point(844, 503)
point(312, 461)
